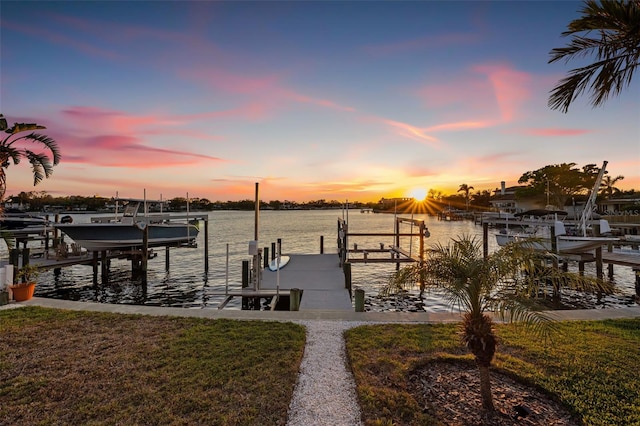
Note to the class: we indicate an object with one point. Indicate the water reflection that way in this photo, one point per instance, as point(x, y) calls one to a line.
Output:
point(187, 285)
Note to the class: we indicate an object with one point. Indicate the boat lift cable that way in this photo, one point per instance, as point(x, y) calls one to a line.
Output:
point(587, 211)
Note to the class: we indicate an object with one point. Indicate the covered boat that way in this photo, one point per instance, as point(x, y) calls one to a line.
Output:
point(128, 231)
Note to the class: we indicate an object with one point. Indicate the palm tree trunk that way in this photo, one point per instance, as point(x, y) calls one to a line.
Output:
point(485, 388)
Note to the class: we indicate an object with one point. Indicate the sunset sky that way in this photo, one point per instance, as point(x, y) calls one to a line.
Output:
point(313, 100)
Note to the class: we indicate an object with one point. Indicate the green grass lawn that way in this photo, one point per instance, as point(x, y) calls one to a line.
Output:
point(66, 367)
point(592, 367)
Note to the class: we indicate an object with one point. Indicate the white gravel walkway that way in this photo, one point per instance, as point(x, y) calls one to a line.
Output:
point(325, 391)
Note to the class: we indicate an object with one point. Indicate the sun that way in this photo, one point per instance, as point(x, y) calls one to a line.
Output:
point(419, 194)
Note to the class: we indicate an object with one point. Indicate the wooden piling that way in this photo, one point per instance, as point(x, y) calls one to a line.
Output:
point(145, 254)
point(245, 283)
point(485, 239)
point(206, 244)
point(104, 269)
point(94, 265)
point(294, 299)
point(346, 267)
point(359, 300)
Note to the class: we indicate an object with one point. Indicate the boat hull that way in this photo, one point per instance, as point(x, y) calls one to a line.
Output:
point(565, 243)
point(113, 236)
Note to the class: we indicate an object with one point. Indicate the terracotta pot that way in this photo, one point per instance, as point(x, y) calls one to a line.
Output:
point(22, 292)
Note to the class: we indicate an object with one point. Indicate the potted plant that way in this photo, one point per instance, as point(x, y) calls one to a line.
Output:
point(26, 278)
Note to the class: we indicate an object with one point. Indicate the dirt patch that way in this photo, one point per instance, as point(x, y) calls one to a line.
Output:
point(450, 392)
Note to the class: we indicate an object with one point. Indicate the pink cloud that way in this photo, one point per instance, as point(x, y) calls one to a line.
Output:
point(320, 102)
point(109, 138)
point(510, 88)
point(462, 125)
point(231, 82)
point(492, 94)
point(267, 87)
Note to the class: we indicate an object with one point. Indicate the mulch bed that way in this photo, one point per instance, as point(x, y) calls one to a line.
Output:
point(450, 392)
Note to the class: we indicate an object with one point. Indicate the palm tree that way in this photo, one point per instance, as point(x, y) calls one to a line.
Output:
point(465, 188)
point(607, 187)
point(616, 48)
point(12, 152)
point(478, 286)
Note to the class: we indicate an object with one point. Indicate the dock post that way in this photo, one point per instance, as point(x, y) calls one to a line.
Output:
point(273, 251)
point(206, 244)
point(485, 239)
point(25, 256)
point(359, 300)
point(14, 257)
point(294, 299)
point(56, 232)
point(599, 270)
point(265, 264)
point(610, 265)
point(347, 276)
point(636, 271)
point(167, 258)
point(245, 283)
point(245, 273)
point(46, 237)
point(95, 267)
point(145, 254)
point(321, 244)
point(103, 266)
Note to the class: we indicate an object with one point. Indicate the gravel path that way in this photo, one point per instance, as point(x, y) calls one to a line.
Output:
point(325, 391)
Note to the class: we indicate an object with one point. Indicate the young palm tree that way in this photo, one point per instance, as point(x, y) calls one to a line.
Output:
point(507, 283)
point(607, 187)
point(465, 188)
point(12, 152)
point(616, 47)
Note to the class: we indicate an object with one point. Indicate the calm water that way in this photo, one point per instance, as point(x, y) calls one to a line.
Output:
point(187, 285)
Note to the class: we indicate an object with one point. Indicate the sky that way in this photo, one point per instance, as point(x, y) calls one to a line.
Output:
point(350, 100)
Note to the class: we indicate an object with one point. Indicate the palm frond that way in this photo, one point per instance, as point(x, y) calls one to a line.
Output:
point(40, 165)
point(50, 143)
point(617, 51)
point(527, 314)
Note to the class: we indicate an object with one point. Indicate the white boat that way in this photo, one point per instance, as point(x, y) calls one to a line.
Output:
point(128, 231)
point(536, 226)
point(12, 219)
point(539, 237)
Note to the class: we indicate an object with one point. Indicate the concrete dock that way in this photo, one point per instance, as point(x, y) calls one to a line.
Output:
point(320, 278)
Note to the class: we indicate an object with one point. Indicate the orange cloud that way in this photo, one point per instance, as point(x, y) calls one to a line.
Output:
point(412, 132)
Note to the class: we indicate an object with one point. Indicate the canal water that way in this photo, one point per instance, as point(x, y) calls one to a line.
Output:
point(187, 285)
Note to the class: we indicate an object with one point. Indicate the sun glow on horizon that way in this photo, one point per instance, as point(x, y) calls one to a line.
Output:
point(419, 194)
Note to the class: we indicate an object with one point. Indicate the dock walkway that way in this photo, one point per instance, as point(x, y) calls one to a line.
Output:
point(320, 278)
